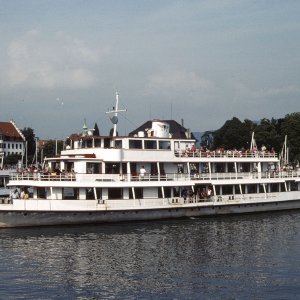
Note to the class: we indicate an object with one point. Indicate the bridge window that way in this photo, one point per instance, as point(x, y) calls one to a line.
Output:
point(135, 144)
point(150, 144)
point(164, 145)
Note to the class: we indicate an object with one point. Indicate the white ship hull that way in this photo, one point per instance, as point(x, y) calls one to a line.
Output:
point(36, 213)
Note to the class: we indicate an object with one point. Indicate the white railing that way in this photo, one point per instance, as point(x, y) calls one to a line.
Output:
point(217, 154)
point(42, 177)
point(148, 177)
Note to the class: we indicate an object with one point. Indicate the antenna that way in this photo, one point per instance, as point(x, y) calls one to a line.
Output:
point(114, 119)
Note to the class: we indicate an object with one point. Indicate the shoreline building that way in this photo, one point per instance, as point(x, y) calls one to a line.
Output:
point(12, 141)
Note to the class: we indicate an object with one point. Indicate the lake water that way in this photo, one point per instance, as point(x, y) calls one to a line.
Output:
point(238, 257)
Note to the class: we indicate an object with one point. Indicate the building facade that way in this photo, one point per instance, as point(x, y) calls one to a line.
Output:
point(12, 141)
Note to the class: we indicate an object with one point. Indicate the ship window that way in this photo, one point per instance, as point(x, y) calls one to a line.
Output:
point(150, 144)
point(159, 192)
point(274, 187)
point(41, 193)
point(243, 188)
point(88, 143)
point(89, 194)
point(227, 190)
point(118, 144)
point(261, 188)
point(180, 168)
point(220, 167)
point(106, 143)
point(176, 192)
point(133, 169)
point(168, 192)
point(153, 169)
point(245, 167)
point(204, 167)
point(135, 144)
point(1, 182)
point(164, 145)
point(139, 193)
point(115, 193)
point(252, 188)
point(112, 168)
point(124, 168)
point(230, 167)
point(97, 143)
point(69, 166)
point(93, 168)
point(70, 193)
point(294, 186)
point(99, 193)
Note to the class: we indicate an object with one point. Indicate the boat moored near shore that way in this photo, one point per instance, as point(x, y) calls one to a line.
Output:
point(153, 173)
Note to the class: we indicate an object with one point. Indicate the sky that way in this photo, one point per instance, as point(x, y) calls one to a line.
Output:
point(198, 62)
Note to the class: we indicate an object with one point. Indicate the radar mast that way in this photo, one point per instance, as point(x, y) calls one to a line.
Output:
point(114, 112)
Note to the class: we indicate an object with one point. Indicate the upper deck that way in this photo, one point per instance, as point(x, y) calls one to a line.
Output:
point(157, 149)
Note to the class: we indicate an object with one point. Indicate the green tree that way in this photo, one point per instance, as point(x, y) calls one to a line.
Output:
point(233, 134)
point(12, 159)
point(96, 130)
point(267, 134)
point(291, 127)
point(31, 142)
point(49, 148)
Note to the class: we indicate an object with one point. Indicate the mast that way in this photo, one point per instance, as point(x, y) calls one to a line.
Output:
point(253, 142)
point(284, 155)
point(115, 111)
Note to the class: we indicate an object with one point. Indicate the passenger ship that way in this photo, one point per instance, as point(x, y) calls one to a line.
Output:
point(148, 175)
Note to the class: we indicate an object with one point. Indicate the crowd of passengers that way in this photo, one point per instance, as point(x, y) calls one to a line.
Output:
point(199, 195)
point(39, 170)
point(205, 152)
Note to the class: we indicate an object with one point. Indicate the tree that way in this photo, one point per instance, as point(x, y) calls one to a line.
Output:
point(291, 127)
point(233, 134)
point(49, 148)
point(31, 142)
point(267, 134)
point(96, 130)
point(12, 159)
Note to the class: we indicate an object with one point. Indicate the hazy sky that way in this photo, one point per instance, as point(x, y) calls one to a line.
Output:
point(202, 61)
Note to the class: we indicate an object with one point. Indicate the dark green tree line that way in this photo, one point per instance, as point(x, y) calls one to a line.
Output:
point(269, 133)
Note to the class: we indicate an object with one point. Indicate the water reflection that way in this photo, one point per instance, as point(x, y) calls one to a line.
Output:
point(253, 256)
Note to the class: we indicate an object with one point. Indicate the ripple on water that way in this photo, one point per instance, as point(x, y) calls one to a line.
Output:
point(252, 256)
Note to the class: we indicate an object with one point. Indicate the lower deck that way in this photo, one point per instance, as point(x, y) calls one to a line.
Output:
point(41, 212)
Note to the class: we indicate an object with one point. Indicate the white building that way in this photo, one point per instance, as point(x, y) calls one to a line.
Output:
point(12, 141)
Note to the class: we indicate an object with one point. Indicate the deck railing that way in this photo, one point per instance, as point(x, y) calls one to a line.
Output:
point(43, 177)
point(148, 177)
point(229, 153)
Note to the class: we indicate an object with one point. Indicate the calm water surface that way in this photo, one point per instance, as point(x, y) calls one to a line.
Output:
point(237, 257)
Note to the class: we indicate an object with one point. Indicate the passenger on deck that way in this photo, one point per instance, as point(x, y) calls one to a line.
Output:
point(142, 172)
point(15, 194)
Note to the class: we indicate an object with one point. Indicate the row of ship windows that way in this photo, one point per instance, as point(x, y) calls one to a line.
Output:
point(11, 146)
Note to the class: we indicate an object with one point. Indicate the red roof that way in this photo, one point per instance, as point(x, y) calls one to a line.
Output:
point(7, 129)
